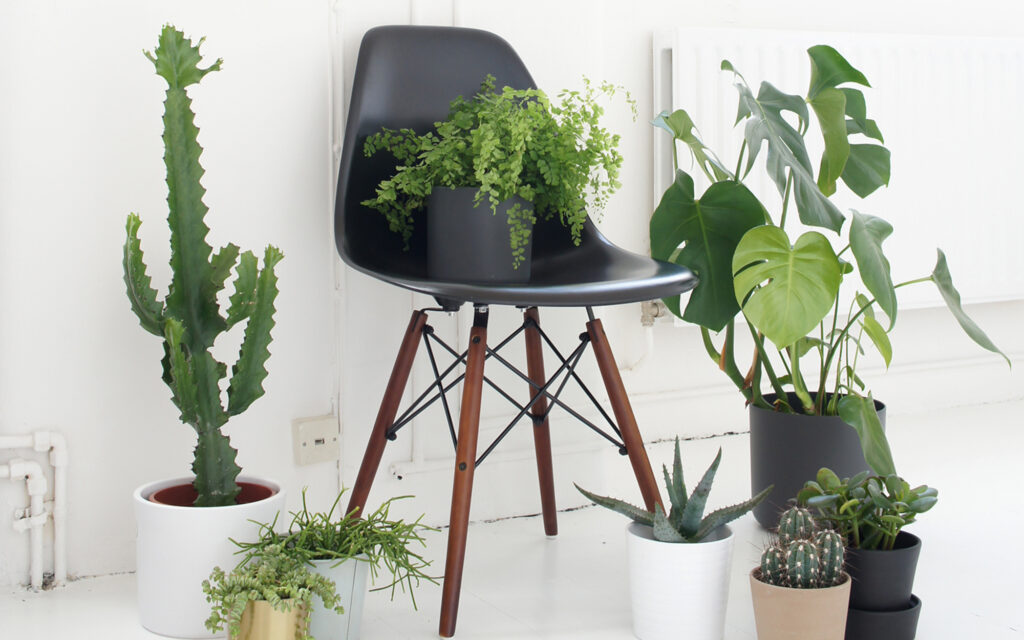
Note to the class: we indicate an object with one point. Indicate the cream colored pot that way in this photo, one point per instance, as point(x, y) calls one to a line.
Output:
point(782, 613)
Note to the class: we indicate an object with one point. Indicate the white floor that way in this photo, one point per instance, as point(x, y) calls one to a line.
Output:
point(520, 584)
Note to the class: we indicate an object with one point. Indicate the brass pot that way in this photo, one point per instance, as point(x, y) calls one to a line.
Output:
point(260, 621)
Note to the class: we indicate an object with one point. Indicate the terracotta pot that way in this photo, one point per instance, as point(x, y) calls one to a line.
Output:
point(782, 613)
point(260, 621)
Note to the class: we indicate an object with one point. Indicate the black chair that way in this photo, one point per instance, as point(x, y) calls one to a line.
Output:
point(405, 77)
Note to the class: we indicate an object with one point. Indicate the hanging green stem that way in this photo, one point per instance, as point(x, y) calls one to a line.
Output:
point(785, 200)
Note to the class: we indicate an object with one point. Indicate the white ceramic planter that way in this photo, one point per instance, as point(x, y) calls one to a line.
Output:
point(678, 590)
point(177, 547)
point(350, 580)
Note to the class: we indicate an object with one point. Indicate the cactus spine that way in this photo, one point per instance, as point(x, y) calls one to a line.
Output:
point(812, 561)
point(189, 319)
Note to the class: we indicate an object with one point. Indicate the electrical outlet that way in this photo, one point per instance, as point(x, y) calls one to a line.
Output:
point(316, 440)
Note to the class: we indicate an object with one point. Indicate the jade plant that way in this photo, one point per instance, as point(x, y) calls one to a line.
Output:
point(685, 521)
point(384, 541)
point(507, 142)
point(807, 343)
point(189, 318)
point(869, 510)
point(801, 557)
point(274, 576)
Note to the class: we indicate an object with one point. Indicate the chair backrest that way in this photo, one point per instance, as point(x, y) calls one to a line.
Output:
point(406, 77)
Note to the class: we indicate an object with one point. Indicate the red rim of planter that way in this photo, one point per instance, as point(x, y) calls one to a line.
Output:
point(183, 495)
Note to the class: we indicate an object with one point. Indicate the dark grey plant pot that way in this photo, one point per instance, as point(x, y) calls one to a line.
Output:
point(884, 580)
point(786, 450)
point(884, 625)
point(470, 244)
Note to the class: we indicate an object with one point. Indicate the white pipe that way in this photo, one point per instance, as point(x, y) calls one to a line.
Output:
point(35, 482)
point(16, 442)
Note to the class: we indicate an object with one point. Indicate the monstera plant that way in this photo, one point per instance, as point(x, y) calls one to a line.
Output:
point(189, 318)
point(786, 283)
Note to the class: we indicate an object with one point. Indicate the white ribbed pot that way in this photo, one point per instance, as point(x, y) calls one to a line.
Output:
point(349, 579)
point(678, 589)
point(177, 547)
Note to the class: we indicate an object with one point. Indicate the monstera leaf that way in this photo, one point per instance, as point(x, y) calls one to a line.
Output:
point(867, 233)
point(784, 290)
point(680, 125)
point(709, 228)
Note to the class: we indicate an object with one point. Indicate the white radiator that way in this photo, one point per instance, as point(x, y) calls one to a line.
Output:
point(951, 112)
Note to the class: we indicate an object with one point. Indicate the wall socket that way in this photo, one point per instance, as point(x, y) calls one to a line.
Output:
point(316, 440)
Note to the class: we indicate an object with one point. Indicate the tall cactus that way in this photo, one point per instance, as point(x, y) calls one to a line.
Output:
point(189, 319)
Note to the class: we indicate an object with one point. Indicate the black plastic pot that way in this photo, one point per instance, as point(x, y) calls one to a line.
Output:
point(884, 625)
point(786, 450)
point(884, 580)
point(467, 243)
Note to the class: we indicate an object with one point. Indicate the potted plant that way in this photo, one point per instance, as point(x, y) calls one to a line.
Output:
point(806, 341)
point(266, 597)
point(870, 512)
point(344, 549)
point(800, 589)
point(679, 562)
point(511, 152)
point(184, 524)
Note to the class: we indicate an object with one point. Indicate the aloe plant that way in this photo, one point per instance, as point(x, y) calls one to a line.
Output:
point(684, 521)
point(189, 318)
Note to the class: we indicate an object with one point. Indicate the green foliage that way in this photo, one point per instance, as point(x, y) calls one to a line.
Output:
point(801, 557)
point(789, 291)
point(189, 318)
point(685, 521)
point(507, 143)
point(274, 576)
point(340, 537)
point(868, 510)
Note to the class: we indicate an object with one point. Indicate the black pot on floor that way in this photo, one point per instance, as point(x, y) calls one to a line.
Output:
point(467, 243)
point(882, 605)
point(786, 450)
point(884, 625)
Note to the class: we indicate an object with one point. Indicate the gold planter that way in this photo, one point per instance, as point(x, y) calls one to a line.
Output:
point(260, 621)
point(782, 613)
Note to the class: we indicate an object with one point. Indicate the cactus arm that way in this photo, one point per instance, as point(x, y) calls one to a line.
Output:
point(244, 296)
point(140, 293)
point(249, 372)
point(663, 529)
point(635, 513)
point(181, 378)
point(222, 262)
point(192, 297)
point(698, 499)
point(726, 515)
point(215, 470)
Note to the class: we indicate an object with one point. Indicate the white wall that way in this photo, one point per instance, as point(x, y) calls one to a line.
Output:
point(79, 133)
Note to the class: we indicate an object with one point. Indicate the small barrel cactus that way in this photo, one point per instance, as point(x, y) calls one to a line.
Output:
point(811, 560)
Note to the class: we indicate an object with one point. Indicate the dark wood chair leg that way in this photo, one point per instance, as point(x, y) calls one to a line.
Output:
point(386, 413)
point(465, 463)
point(541, 433)
point(624, 415)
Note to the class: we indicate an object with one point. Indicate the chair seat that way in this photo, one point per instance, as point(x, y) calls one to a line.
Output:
point(598, 273)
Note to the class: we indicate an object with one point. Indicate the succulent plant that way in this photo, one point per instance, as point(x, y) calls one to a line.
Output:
point(802, 558)
point(684, 522)
point(189, 318)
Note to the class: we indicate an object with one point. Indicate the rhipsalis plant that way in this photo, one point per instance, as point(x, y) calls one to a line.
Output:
point(868, 510)
point(685, 521)
point(274, 576)
point(509, 142)
point(189, 318)
point(801, 557)
point(789, 290)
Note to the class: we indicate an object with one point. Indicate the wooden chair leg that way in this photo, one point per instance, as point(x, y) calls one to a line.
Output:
point(386, 413)
point(541, 433)
point(624, 415)
point(465, 463)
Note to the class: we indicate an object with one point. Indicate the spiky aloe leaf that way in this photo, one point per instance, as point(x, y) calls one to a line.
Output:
point(663, 529)
point(698, 499)
point(249, 371)
point(181, 380)
point(725, 515)
point(192, 296)
point(244, 297)
point(141, 295)
point(635, 513)
point(215, 470)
